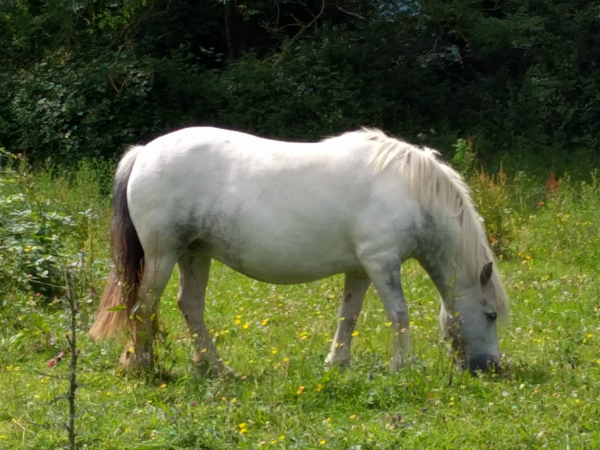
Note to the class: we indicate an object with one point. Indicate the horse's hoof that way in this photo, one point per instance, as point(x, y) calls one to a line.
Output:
point(133, 360)
point(225, 371)
point(396, 365)
point(206, 369)
point(341, 364)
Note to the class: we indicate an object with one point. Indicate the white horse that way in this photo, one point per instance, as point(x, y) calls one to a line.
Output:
point(285, 213)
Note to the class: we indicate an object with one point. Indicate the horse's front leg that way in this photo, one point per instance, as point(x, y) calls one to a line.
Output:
point(385, 275)
point(355, 289)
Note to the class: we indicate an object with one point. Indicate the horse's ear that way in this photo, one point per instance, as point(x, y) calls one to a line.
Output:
point(486, 273)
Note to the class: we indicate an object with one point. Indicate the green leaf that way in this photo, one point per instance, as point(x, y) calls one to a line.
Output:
point(116, 308)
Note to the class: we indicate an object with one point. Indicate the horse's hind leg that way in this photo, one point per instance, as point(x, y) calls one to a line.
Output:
point(156, 274)
point(351, 304)
point(194, 268)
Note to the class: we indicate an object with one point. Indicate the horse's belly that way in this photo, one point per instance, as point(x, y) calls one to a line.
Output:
point(286, 265)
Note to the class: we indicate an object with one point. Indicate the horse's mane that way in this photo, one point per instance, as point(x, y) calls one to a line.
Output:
point(439, 187)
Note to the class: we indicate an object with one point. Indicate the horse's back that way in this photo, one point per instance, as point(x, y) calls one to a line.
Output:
point(237, 166)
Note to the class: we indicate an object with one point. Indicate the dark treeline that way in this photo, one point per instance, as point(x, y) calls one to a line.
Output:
point(88, 77)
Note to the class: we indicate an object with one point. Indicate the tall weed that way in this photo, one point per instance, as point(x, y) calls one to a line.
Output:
point(492, 195)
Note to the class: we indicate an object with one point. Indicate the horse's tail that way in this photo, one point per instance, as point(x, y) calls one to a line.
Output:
point(128, 256)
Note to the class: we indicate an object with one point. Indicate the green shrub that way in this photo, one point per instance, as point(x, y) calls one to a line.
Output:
point(32, 232)
point(41, 234)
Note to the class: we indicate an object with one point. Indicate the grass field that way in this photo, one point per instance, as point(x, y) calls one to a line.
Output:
point(276, 339)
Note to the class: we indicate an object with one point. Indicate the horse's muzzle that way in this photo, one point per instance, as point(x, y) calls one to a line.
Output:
point(484, 363)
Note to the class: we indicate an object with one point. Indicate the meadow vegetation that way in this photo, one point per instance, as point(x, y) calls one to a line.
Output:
point(546, 235)
point(83, 79)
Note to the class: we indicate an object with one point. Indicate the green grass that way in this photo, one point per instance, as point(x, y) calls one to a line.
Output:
point(276, 339)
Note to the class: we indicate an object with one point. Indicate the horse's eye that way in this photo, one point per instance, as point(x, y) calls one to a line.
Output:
point(492, 316)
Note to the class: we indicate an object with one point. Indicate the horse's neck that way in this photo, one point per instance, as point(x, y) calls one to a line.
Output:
point(436, 253)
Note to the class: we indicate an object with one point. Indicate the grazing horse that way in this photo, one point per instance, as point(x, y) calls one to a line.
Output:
point(285, 213)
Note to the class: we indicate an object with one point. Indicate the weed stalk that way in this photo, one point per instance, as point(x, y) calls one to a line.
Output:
point(73, 307)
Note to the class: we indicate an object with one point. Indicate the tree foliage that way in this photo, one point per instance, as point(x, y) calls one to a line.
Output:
point(88, 77)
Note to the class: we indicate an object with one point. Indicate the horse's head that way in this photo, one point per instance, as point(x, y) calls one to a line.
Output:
point(470, 322)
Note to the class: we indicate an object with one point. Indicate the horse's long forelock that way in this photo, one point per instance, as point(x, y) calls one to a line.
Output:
point(439, 187)
point(127, 254)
